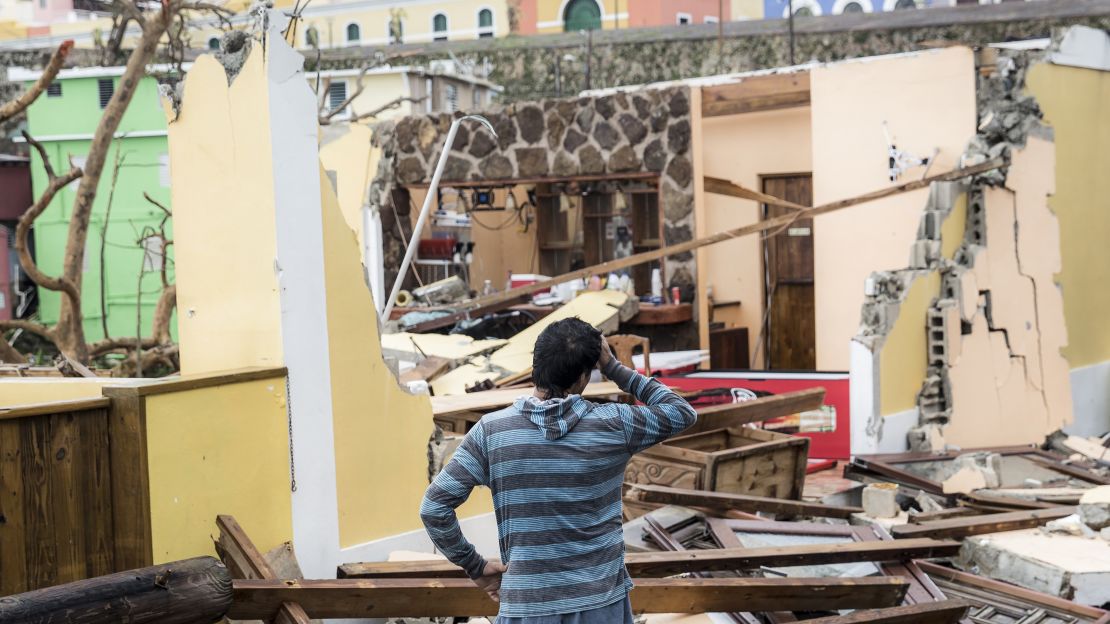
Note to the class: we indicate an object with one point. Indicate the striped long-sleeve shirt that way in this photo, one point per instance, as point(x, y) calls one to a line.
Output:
point(555, 469)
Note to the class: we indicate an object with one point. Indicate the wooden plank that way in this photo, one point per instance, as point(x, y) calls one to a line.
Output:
point(181, 383)
point(244, 560)
point(349, 598)
point(490, 400)
point(95, 489)
point(978, 525)
point(943, 612)
point(764, 408)
point(13, 559)
point(130, 477)
point(739, 502)
point(721, 186)
point(656, 564)
point(66, 512)
point(38, 520)
point(943, 514)
point(179, 592)
point(428, 369)
point(52, 407)
point(762, 226)
point(756, 93)
point(1007, 589)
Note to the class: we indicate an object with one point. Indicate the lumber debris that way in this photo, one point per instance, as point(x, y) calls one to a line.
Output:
point(658, 564)
point(942, 612)
point(244, 561)
point(728, 415)
point(740, 502)
point(191, 591)
point(978, 525)
point(383, 598)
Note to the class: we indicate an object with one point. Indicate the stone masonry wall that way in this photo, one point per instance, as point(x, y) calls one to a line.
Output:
point(622, 133)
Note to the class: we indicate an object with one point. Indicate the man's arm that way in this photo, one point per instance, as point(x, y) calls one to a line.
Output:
point(451, 487)
point(664, 413)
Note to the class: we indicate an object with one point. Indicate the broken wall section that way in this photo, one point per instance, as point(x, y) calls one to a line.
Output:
point(994, 328)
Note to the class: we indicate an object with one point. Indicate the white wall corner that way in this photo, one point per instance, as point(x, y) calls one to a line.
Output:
point(304, 327)
point(863, 393)
point(1090, 394)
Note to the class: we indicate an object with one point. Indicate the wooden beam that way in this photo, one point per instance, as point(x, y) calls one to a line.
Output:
point(942, 612)
point(244, 561)
point(756, 93)
point(762, 226)
point(53, 407)
point(978, 525)
point(657, 564)
point(740, 502)
point(764, 408)
point(181, 592)
point(720, 186)
point(347, 598)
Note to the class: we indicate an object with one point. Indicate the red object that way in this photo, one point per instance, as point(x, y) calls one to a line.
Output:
point(7, 298)
point(835, 444)
point(676, 294)
point(436, 248)
point(516, 280)
point(819, 465)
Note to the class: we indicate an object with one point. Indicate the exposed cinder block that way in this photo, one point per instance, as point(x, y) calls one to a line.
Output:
point(1094, 507)
point(880, 500)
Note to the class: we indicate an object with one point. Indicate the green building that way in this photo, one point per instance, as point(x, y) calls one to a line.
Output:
point(64, 119)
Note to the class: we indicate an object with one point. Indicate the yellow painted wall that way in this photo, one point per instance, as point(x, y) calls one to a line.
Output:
point(378, 90)
point(903, 359)
point(462, 22)
point(741, 148)
point(227, 319)
point(24, 391)
point(354, 161)
point(1075, 104)
point(381, 431)
point(218, 450)
point(747, 9)
point(928, 100)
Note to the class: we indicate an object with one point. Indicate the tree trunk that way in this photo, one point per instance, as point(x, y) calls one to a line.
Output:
point(69, 332)
point(183, 592)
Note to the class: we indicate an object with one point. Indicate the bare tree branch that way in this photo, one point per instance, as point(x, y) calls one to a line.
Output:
point(163, 312)
point(8, 354)
point(37, 329)
point(54, 184)
point(16, 106)
point(388, 106)
point(327, 117)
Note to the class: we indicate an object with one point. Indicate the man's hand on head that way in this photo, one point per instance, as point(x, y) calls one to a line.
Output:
point(490, 581)
point(606, 354)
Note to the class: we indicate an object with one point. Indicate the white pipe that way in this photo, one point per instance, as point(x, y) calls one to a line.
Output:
point(432, 192)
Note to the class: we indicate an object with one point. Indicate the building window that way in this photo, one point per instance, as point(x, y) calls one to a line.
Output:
point(852, 6)
point(803, 8)
point(485, 23)
point(105, 88)
point(54, 89)
point(354, 33)
point(439, 27)
point(311, 37)
point(164, 170)
point(581, 15)
point(683, 18)
point(451, 98)
point(337, 94)
point(905, 4)
point(711, 19)
point(475, 97)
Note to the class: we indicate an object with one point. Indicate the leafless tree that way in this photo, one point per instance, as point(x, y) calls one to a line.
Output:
point(68, 334)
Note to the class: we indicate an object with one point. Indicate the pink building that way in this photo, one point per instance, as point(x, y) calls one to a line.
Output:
point(670, 12)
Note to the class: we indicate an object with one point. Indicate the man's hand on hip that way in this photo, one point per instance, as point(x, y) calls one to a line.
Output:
point(490, 581)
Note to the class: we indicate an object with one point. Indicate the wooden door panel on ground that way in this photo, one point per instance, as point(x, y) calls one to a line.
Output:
point(791, 331)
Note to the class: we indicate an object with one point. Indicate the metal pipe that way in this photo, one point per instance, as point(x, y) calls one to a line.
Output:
point(433, 190)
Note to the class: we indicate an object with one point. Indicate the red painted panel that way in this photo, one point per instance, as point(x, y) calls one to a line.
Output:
point(829, 444)
point(7, 300)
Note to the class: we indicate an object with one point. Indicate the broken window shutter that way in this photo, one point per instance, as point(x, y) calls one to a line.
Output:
point(105, 88)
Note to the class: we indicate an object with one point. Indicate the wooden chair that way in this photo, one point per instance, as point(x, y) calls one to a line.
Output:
point(624, 344)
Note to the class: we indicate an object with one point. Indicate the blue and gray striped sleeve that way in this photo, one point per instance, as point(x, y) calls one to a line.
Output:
point(663, 415)
point(468, 468)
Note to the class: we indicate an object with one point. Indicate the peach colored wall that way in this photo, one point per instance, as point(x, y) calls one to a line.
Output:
point(664, 12)
point(928, 101)
point(741, 148)
point(529, 15)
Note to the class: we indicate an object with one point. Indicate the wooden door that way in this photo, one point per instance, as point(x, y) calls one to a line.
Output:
point(790, 335)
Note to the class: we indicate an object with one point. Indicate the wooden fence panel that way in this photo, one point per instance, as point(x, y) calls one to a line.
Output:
point(56, 522)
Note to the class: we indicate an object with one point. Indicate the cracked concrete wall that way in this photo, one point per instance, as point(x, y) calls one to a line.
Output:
point(994, 329)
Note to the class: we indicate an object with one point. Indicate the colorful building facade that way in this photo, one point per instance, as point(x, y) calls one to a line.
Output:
point(775, 9)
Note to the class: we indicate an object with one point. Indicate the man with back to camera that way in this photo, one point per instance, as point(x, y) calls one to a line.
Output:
point(555, 465)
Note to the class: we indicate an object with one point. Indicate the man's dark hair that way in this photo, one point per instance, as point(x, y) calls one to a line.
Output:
point(565, 350)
